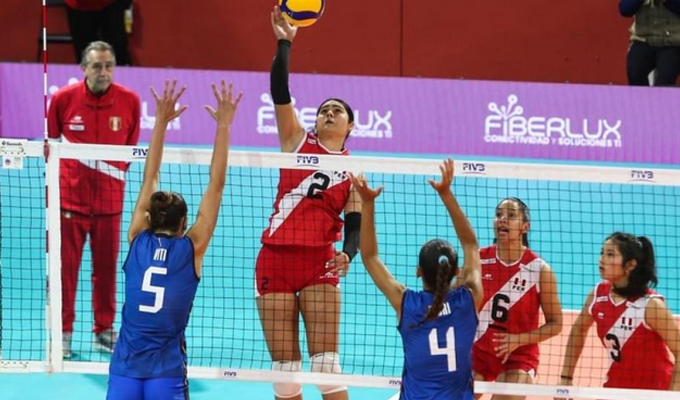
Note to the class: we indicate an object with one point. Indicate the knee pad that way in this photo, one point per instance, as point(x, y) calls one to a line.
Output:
point(328, 363)
point(287, 389)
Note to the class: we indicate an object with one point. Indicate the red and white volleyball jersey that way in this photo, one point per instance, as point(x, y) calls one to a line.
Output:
point(511, 299)
point(308, 203)
point(638, 356)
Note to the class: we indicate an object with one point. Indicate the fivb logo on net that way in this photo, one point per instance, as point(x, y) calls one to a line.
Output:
point(146, 121)
point(509, 125)
point(375, 125)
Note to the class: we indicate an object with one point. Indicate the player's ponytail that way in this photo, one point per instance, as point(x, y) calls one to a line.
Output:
point(168, 211)
point(438, 263)
point(643, 275)
point(444, 276)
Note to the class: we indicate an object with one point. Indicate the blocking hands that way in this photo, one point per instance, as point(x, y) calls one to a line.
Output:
point(226, 103)
point(166, 105)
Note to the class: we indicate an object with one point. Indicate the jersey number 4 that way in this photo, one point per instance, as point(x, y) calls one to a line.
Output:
point(158, 291)
point(449, 350)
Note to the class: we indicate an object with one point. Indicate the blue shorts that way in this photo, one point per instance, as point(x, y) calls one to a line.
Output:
point(123, 388)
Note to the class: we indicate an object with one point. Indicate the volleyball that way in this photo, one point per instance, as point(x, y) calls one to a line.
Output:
point(301, 12)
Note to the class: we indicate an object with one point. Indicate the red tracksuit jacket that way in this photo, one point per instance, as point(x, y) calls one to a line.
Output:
point(77, 116)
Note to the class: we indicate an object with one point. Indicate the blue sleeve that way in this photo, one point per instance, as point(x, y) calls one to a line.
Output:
point(628, 8)
point(463, 293)
point(133, 246)
point(404, 308)
point(673, 5)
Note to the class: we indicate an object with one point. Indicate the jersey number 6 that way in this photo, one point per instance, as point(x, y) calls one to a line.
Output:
point(449, 351)
point(158, 291)
point(499, 310)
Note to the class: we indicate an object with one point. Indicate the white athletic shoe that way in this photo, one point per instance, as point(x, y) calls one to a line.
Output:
point(106, 341)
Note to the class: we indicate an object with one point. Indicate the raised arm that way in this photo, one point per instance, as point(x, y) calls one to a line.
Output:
point(471, 274)
point(202, 230)
point(383, 279)
point(576, 342)
point(290, 130)
point(165, 112)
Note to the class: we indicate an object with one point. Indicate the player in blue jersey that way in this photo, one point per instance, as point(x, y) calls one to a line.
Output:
point(438, 324)
point(164, 263)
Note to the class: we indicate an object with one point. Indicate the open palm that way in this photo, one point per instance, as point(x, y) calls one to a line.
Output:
point(447, 170)
point(282, 28)
point(227, 104)
point(166, 104)
point(362, 188)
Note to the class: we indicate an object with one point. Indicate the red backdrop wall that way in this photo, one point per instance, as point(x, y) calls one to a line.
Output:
point(527, 40)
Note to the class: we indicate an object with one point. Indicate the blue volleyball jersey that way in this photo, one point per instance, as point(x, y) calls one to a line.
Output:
point(160, 286)
point(438, 353)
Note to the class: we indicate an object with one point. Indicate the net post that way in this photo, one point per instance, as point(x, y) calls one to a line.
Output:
point(53, 296)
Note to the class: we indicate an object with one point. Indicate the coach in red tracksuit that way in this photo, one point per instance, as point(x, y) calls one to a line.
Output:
point(96, 111)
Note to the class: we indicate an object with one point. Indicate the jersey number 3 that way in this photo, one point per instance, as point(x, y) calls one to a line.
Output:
point(449, 350)
point(159, 292)
point(615, 352)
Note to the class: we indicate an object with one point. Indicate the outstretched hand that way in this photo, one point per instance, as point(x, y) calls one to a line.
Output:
point(166, 105)
point(361, 186)
point(447, 170)
point(282, 28)
point(226, 104)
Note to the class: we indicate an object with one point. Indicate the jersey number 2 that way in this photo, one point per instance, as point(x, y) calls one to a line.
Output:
point(449, 350)
point(319, 184)
point(159, 292)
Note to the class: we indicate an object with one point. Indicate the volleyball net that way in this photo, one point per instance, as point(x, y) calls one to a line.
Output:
point(573, 209)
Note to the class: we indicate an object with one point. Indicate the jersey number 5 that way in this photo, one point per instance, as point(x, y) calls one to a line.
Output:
point(158, 291)
point(449, 351)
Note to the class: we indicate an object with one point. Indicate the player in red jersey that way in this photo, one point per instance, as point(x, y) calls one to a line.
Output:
point(518, 284)
point(633, 322)
point(298, 268)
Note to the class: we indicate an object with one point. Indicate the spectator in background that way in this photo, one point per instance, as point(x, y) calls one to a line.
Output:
point(95, 111)
point(91, 20)
point(655, 41)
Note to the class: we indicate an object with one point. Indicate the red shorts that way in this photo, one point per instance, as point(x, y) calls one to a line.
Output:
point(490, 366)
point(289, 269)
